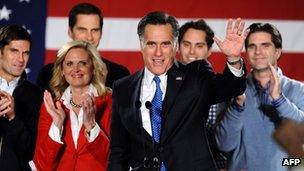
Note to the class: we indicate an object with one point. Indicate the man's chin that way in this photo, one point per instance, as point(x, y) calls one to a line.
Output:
point(17, 74)
point(192, 59)
point(189, 60)
point(159, 72)
point(261, 69)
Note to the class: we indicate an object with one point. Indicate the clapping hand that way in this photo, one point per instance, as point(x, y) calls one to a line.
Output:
point(233, 43)
point(89, 111)
point(275, 84)
point(7, 105)
point(56, 112)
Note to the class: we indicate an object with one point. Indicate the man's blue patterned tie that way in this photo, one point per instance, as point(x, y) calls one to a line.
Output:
point(156, 109)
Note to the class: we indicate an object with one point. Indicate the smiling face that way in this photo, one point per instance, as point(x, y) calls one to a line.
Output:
point(14, 58)
point(77, 68)
point(193, 46)
point(87, 28)
point(261, 51)
point(157, 48)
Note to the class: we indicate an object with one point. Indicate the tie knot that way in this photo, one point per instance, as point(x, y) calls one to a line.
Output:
point(156, 79)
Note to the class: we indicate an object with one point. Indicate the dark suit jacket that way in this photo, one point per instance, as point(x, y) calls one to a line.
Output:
point(19, 135)
point(183, 144)
point(115, 72)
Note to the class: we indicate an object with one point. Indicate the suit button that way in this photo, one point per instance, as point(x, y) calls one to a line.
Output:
point(161, 149)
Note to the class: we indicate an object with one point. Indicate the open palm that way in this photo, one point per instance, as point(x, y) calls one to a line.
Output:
point(275, 83)
point(233, 43)
point(56, 112)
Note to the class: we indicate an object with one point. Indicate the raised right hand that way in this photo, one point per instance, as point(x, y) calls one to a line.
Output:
point(56, 112)
point(233, 43)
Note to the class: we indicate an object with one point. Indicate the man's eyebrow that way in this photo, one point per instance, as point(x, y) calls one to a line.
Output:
point(185, 41)
point(13, 49)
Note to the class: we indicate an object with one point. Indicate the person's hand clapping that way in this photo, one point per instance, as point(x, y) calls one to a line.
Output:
point(89, 111)
point(7, 105)
point(55, 111)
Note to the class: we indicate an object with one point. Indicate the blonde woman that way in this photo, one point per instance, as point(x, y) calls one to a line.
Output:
point(73, 130)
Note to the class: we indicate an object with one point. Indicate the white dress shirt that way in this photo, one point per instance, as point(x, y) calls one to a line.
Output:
point(76, 121)
point(8, 87)
point(148, 87)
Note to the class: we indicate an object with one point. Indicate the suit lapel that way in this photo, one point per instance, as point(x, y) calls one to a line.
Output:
point(131, 114)
point(134, 89)
point(174, 82)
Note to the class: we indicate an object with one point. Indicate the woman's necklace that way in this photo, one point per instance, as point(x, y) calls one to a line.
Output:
point(72, 103)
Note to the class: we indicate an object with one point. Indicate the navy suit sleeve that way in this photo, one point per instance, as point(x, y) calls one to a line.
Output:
point(223, 86)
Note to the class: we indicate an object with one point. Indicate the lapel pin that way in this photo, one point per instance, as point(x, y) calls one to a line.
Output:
point(178, 78)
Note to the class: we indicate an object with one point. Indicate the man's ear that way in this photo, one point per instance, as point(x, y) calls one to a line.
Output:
point(141, 43)
point(209, 52)
point(1, 52)
point(278, 53)
point(70, 32)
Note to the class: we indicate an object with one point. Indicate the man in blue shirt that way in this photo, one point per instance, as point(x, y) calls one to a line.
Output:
point(246, 129)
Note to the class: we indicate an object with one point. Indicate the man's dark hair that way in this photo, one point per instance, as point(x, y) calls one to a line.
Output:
point(276, 37)
point(157, 18)
point(84, 8)
point(197, 25)
point(9, 33)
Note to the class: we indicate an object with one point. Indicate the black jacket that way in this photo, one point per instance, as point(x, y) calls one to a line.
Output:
point(183, 144)
point(19, 134)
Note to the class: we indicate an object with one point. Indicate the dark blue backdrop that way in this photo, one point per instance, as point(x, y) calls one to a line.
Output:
point(30, 14)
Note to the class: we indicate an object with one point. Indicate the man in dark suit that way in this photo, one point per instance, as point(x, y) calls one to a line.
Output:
point(158, 112)
point(20, 101)
point(85, 23)
point(195, 41)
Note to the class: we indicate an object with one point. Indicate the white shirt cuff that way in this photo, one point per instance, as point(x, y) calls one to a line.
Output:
point(93, 133)
point(236, 72)
point(32, 165)
point(55, 133)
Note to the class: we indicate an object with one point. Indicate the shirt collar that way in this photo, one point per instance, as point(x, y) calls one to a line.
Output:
point(148, 77)
point(11, 83)
point(279, 72)
point(258, 87)
point(9, 86)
